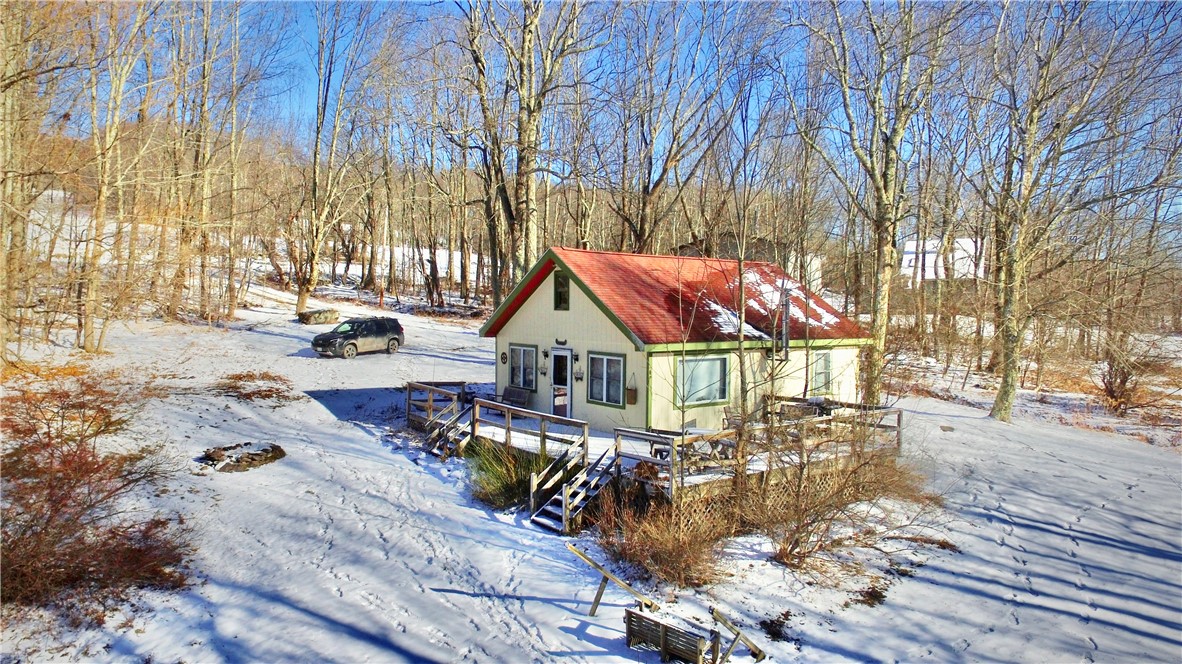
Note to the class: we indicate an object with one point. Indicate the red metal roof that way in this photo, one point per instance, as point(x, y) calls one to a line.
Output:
point(675, 299)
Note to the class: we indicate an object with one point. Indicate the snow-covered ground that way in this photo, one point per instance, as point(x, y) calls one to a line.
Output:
point(360, 547)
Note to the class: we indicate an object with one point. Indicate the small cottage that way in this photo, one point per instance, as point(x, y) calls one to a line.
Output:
point(667, 342)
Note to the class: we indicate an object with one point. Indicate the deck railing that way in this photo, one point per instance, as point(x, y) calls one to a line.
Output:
point(877, 419)
point(669, 458)
point(530, 427)
point(583, 486)
point(542, 485)
point(431, 403)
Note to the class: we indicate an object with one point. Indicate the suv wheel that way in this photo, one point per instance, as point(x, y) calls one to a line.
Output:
point(349, 352)
point(392, 347)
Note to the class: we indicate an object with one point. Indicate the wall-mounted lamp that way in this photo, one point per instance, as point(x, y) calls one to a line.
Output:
point(578, 374)
point(545, 354)
point(543, 370)
point(576, 356)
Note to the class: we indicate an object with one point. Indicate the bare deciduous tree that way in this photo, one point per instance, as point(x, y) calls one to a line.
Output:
point(1069, 90)
point(883, 64)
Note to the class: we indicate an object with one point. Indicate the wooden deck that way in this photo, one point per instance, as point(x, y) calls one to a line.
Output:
point(687, 465)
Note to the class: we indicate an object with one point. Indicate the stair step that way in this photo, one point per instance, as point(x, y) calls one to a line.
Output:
point(548, 524)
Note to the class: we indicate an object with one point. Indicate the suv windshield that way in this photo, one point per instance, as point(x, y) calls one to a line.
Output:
point(346, 327)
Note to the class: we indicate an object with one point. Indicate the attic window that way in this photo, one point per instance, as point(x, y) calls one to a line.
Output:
point(561, 292)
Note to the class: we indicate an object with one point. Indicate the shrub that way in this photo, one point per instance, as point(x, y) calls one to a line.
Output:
point(824, 504)
point(675, 542)
point(832, 485)
point(1119, 381)
point(500, 473)
point(1126, 362)
point(65, 502)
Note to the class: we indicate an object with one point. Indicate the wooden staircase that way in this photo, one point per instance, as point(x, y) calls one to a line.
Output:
point(561, 513)
point(451, 436)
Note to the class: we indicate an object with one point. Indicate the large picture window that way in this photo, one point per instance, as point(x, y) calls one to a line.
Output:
point(607, 379)
point(821, 378)
point(702, 380)
point(523, 363)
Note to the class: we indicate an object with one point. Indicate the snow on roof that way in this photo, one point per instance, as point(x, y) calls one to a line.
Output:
point(728, 322)
point(675, 299)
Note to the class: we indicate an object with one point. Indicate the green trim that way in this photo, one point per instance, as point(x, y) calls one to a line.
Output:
point(623, 405)
point(828, 343)
point(611, 316)
point(705, 346)
point(680, 403)
point(551, 257)
point(762, 344)
point(508, 301)
point(648, 391)
point(532, 347)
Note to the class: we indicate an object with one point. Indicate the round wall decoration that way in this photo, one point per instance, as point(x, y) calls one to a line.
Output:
point(504, 358)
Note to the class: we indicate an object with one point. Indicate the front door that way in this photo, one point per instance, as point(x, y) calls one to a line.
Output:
point(560, 381)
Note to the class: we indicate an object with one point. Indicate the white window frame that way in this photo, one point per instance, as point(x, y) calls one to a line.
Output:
point(817, 387)
point(521, 371)
point(688, 366)
point(604, 360)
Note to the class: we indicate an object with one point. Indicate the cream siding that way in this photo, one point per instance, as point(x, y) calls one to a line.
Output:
point(765, 376)
point(585, 329)
point(843, 373)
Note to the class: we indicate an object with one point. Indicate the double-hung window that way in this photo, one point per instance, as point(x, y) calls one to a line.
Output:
point(523, 366)
point(821, 375)
point(702, 380)
point(607, 379)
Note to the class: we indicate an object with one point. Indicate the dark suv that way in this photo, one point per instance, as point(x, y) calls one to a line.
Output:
point(359, 335)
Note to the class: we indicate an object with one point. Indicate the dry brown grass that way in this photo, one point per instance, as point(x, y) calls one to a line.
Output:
point(253, 386)
point(676, 543)
point(923, 540)
point(1070, 379)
